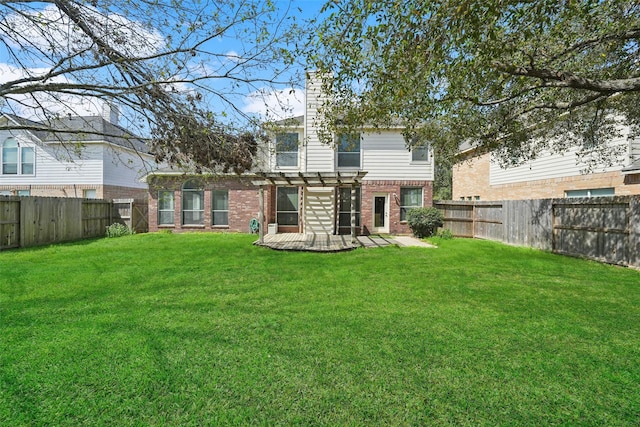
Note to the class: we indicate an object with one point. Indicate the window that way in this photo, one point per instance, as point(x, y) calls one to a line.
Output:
point(344, 208)
point(287, 149)
point(349, 151)
point(17, 160)
point(592, 192)
point(166, 207)
point(420, 153)
point(192, 203)
point(24, 193)
point(409, 198)
point(10, 157)
point(220, 207)
point(287, 206)
point(27, 160)
point(90, 194)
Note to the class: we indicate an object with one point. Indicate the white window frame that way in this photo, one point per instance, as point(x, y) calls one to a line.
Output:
point(215, 211)
point(420, 153)
point(172, 210)
point(20, 154)
point(404, 208)
point(342, 140)
point(291, 154)
point(187, 191)
point(589, 192)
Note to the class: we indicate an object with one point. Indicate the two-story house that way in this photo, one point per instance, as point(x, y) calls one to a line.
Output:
point(88, 157)
point(551, 175)
point(303, 185)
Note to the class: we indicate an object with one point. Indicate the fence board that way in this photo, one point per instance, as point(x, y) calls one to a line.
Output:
point(605, 228)
point(97, 215)
point(31, 221)
point(9, 222)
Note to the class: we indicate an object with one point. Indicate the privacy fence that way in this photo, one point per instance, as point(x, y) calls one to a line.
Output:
point(32, 221)
point(605, 229)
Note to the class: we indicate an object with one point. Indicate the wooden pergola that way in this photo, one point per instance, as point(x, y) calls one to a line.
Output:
point(309, 179)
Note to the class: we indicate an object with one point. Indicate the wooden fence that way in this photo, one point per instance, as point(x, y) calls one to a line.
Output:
point(605, 229)
point(134, 215)
point(32, 221)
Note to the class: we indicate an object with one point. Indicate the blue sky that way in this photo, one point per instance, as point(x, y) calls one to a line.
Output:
point(250, 99)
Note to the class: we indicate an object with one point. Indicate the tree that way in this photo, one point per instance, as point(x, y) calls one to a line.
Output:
point(174, 68)
point(515, 77)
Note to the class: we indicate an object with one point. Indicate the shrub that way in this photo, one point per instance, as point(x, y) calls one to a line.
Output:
point(118, 230)
point(424, 221)
point(445, 234)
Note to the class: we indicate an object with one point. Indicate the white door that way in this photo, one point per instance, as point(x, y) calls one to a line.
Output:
point(381, 213)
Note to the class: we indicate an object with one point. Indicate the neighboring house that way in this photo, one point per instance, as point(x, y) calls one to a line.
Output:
point(479, 177)
point(92, 157)
point(303, 185)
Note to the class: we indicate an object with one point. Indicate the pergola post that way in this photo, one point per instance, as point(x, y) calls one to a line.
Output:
point(353, 213)
point(261, 216)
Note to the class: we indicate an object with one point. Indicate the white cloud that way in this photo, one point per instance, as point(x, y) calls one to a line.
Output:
point(275, 104)
point(32, 106)
point(49, 30)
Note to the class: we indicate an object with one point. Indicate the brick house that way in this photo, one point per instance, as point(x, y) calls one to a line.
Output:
point(90, 157)
point(302, 185)
point(479, 177)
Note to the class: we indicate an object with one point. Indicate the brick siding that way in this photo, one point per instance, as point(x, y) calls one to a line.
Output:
point(471, 181)
point(369, 188)
point(243, 202)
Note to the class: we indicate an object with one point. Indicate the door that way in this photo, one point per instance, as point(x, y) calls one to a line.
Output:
point(381, 213)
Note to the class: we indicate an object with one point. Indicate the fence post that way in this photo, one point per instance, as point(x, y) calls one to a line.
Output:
point(634, 231)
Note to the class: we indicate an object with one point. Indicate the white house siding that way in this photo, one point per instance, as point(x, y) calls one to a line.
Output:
point(548, 166)
point(319, 157)
point(125, 168)
point(319, 211)
point(55, 164)
point(385, 156)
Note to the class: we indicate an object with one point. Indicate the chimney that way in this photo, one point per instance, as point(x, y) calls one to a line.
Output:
point(110, 112)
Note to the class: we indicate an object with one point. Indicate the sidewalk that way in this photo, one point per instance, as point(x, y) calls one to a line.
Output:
point(411, 241)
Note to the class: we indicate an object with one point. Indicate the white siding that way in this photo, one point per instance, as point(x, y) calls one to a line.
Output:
point(385, 156)
point(319, 212)
point(55, 164)
point(548, 166)
point(319, 157)
point(125, 168)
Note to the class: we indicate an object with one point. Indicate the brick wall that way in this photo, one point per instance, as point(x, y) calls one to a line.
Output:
point(77, 190)
point(471, 182)
point(243, 202)
point(371, 188)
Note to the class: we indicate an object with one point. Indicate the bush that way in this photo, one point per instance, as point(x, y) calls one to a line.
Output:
point(445, 234)
point(424, 221)
point(118, 230)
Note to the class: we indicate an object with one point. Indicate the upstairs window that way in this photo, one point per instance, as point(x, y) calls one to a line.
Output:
point(287, 150)
point(420, 153)
point(192, 203)
point(17, 160)
point(349, 150)
point(10, 157)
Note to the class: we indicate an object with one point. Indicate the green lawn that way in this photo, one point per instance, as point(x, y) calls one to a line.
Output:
point(206, 329)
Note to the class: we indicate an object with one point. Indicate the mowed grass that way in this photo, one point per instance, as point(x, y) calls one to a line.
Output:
point(207, 329)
